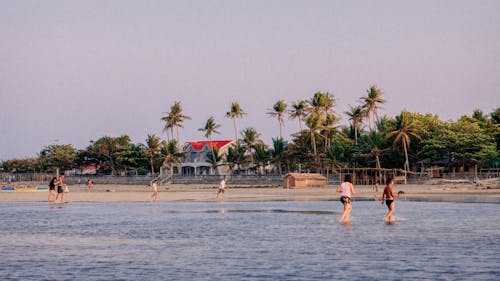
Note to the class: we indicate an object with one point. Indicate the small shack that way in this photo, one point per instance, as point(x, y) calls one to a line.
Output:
point(296, 180)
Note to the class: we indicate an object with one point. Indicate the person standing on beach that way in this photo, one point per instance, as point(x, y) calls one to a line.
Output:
point(52, 189)
point(90, 184)
point(389, 197)
point(375, 191)
point(154, 185)
point(222, 187)
point(60, 187)
point(346, 190)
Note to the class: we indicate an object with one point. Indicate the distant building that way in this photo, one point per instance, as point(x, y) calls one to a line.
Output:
point(195, 160)
point(295, 180)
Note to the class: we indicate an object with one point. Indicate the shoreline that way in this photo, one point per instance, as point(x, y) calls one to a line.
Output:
point(207, 193)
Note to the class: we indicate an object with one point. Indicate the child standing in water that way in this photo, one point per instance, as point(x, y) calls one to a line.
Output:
point(389, 197)
point(346, 190)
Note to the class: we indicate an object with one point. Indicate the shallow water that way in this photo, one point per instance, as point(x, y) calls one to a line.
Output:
point(248, 241)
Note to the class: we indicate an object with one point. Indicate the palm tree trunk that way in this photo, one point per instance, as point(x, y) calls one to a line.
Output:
point(407, 163)
point(152, 167)
point(213, 153)
point(281, 129)
point(300, 123)
point(235, 130)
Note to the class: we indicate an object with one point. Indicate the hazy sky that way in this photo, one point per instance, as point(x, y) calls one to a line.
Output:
point(73, 71)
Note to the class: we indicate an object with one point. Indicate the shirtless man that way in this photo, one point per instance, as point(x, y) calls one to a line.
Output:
point(60, 188)
point(389, 197)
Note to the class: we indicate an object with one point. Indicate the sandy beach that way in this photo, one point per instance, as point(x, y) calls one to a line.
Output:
point(207, 193)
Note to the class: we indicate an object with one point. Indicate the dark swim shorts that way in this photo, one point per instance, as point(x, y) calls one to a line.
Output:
point(345, 199)
point(60, 189)
point(388, 202)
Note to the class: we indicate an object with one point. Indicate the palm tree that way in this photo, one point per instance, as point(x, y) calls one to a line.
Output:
point(236, 156)
point(375, 141)
point(356, 116)
point(170, 155)
point(262, 155)
point(406, 128)
point(210, 129)
point(371, 104)
point(153, 146)
point(278, 111)
point(235, 112)
point(322, 103)
point(215, 160)
point(298, 111)
point(250, 140)
point(278, 152)
point(175, 118)
point(314, 123)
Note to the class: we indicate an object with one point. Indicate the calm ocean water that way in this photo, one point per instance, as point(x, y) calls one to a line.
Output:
point(248, 241)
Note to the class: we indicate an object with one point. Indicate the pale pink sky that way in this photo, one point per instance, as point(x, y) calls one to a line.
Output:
point(73, 71)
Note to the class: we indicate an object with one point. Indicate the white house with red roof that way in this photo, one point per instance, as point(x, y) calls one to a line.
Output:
point(196, 153)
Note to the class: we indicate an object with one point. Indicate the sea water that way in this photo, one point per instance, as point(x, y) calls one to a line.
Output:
point(248, 241)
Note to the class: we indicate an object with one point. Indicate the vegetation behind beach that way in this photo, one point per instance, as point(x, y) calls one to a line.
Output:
point(408, 141)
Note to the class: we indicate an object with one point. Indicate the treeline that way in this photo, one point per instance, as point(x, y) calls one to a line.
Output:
point(320, 144)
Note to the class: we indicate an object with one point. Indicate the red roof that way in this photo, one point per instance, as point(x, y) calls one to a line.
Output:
point(198, 145)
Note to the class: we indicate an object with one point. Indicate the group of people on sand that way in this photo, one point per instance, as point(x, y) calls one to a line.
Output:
point(61, 188)
point(346, 190)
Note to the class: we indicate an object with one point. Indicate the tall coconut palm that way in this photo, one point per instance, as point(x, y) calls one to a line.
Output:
point(235, 112)
point(314, 123)
point(405, 129)
point(153, 146)
point(278, 111)
point(356, 114)
point(215, 159)
point(170, 155)
point(298, 111)
point(250, 138)
point(174, 119)
point(321, 103)
point(371, 104)
point(209, 129)
point(375, 141)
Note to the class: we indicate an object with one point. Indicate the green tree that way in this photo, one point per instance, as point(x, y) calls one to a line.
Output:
point(278, 111)
point(356, 114)
point(174, 119)
point(170, 155)
point(298, 111)
point(278, 153)
point(262, 156)
point(209, 129)
point(60, 156)
point(236, 156)
point(214, 160)
point(406, 128)
point(250, 138)
point(371, 104)
point(235, 112)
point(314, 123)
point(111, 149)
point(153, 147)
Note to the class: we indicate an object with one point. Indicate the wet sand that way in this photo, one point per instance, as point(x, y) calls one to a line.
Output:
point(207, 193)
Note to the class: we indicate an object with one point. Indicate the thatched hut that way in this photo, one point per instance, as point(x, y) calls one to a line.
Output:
point(296, 180)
